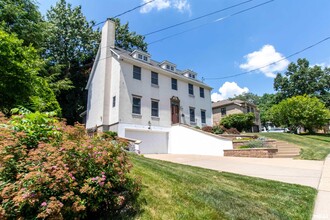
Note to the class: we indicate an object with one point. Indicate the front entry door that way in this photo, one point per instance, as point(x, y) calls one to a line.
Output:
point(175, 110)
point(175, 113)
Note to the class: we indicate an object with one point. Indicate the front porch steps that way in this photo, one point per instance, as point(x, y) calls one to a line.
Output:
point(286, 150)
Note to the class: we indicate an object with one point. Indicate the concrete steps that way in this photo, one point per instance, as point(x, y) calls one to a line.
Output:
point(286, 150)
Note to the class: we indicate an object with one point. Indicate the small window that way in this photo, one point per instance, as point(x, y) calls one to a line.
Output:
point(172, 68)
point(136, 109)
point(137, 72)
point(140, 56)
point(192, 114)
point(154, 108)
point(223, 111)
point(203, 116)
point(191, 89)
point(145, 58)
point(168, 67)
point(193, 76)
point(154, 78)
point(174, 84)
point(201, 92)
point(114, 101)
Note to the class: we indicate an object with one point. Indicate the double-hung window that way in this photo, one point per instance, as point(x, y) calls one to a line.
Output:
point(136, 105)
point(201, 92)
point(154, 108)
point(191, 89)
point(223, 111)
point(137, 72)
point(203, 116)
point(154, 78)
point(174, 84)
point(192, 115)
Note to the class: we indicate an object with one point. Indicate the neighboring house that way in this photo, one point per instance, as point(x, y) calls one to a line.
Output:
point(223, 108)
point(140, 98)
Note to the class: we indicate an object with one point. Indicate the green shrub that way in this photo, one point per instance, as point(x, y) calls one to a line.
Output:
point(109, 135)
point(217, 130)
point(255, 144)
point(67, 177)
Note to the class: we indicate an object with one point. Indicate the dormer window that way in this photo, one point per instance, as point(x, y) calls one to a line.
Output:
point(137, 54)
point(168, 66)
point(189, 74)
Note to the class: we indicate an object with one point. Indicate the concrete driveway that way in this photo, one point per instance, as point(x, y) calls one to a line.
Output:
point(303, 172)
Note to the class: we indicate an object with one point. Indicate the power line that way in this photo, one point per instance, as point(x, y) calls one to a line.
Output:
point(194, 19)
point(291, 55)
point(220, 19)
point(125, 12)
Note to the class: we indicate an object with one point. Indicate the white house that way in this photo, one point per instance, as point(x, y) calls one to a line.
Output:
point(143, 99)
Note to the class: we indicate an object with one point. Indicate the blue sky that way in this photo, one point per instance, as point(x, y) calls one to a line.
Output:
point(231, 45)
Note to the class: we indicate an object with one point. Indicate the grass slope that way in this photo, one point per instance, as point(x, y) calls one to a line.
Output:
point(173, 191)
point(314, 147)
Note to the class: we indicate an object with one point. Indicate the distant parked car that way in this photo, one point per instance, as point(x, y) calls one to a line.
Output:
point(279, 130)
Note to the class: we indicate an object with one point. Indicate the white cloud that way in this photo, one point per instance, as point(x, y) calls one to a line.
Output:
point(266, 55)
point(180, 5)
point(228, 90)
point(323, 65)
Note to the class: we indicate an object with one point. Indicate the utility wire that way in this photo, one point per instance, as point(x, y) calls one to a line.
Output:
point(220, 19)
point(291, 55)
point(125, 12)
point(194, 19)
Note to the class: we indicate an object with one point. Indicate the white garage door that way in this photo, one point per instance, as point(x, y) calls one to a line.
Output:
point(152, 142)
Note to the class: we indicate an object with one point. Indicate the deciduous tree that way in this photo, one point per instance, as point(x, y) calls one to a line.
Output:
point(301, 78)
point(300, 112)
point(20, 83)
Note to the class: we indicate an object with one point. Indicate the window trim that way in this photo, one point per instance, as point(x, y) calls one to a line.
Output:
point(152, 78)
point(152, 108)
point(223, 112)
point(190, 89)
point(176, 84)
point(137, 75)
point(113, 101)
point(201, 94)
point(192, 110)
point(136, 105)
point(203, 121)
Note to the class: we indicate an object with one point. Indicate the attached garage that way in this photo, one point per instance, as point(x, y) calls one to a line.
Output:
point(152, 142)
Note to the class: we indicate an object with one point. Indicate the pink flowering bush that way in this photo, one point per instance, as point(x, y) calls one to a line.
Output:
point(70, 176)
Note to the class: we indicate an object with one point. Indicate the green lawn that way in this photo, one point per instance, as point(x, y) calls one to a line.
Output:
point(314, 147)
point(173, 191)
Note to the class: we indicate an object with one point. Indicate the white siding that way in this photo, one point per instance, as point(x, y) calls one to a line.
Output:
point(163, 93)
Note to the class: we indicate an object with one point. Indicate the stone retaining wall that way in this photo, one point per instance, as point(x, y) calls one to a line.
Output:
point(237, 143)
point(251, 152)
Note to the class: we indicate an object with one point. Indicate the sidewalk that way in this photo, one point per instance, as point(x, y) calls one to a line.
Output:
point(322, 204)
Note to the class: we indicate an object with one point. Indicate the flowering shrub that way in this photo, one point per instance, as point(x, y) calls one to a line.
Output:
point(70, 176)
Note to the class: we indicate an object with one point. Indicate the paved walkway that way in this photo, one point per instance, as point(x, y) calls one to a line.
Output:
point(315, 174)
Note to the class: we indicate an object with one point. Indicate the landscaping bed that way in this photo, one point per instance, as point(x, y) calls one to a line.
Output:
point(251, 152)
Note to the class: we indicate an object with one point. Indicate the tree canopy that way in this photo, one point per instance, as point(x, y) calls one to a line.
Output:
point(20, 84)
point(301, 78)
point(300, 111)
point(23, 18)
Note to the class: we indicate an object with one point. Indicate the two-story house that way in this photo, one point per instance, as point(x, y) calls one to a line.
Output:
point(223, 108)
point(140, 98)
